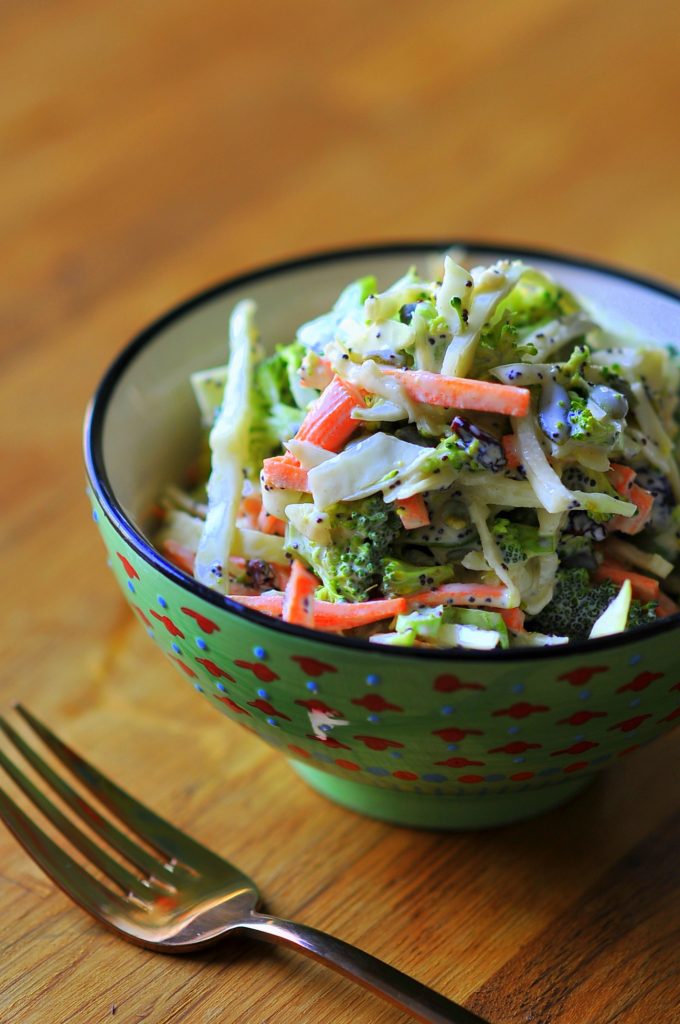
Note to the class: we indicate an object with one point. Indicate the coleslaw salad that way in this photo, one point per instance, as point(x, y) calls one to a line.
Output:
point(465, 462)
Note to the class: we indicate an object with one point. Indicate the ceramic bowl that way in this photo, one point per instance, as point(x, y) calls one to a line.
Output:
point(445, 739)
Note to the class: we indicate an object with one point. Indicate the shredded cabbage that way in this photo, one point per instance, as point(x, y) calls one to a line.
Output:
point(229, 439)
point(476, 304)
point(361, 470)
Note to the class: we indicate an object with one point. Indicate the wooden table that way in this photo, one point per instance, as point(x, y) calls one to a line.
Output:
point(152, 148)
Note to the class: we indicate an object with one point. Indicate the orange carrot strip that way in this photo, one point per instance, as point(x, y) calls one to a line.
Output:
point(644, 501)
point(622, 480)
point(644, 587)
point(461, 392)
point(270, 603)
point(513, 618)
point(620, 477)
point(179, 555)
point(328, 422)
point(270, 524)
point(251, 504)
point(286, 472)
point(469, 595)
point(666, 606)
point(510, 450)
point(330, 616)
point(413, 512)
point(298, 599)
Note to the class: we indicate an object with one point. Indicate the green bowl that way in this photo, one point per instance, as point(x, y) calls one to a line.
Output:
point(458, 739)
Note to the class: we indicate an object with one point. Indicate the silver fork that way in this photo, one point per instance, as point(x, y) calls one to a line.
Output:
point(183, 896)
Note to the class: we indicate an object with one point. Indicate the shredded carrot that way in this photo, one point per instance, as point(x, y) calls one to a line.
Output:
point(270, 524)
point(665, 606)
point(461, 392)
point(644, 587)
point(622, 480)
point(284, 471)
point(469, 595)
point(511, 451)
point(620, 477)
point(251, 504)
point(634, 524)
point(269, 603)
point(328, 422)
point(513, 618)
point(179, 555)
point(330, 616)
point(250, 509)
point(413, 512)
point(298, 599)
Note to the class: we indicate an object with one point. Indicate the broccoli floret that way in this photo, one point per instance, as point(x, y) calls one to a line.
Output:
point(573, 368)
point(640, 613)
point(452, 451)
point(576, 552)
point(534, 300)
point(399, 578)
point(576, 604)
point(584, 426)
point(350, 567)
point(518, 542)
point(276, 376)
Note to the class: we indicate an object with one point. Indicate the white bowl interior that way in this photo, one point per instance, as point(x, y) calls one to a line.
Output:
point(151, 427)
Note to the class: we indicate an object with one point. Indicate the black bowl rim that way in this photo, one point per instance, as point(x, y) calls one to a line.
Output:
point(101, 485)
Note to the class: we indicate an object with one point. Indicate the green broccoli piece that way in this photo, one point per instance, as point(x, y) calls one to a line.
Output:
point(534, 300)
point(518, 542)
point(577, 603)
point(400, 578)
point(573, 368)
point(452, 451)
point(641, 613)
point(277, 377)
point(575, 551)
point(351, 566)
point(584, 426)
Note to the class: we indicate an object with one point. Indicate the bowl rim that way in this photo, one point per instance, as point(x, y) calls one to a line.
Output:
point(101, 485)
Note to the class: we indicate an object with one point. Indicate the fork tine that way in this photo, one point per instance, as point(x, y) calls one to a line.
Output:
point(62, 869)
point(139, 818)
point(108, 832)
point(128, 882)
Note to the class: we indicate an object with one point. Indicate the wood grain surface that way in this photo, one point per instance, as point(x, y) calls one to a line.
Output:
point(149, 149)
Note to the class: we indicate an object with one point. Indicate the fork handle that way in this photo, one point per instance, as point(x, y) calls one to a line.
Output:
point(421, 1002)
